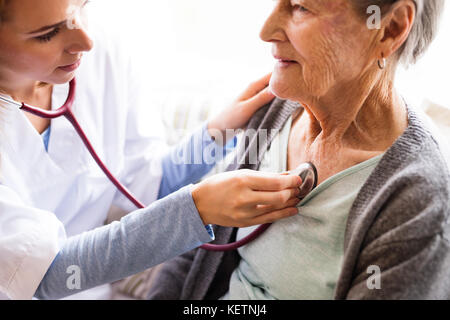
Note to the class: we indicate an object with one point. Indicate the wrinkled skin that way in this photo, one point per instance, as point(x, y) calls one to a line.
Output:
point(352, 111)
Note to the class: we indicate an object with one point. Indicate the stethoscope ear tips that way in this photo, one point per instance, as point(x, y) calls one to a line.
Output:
point(308, 172)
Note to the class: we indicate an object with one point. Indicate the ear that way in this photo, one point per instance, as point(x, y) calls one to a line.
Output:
point(397, 25)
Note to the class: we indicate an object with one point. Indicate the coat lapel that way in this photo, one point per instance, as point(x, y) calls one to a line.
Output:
point(270, 118)
point(261, 130)
point(29, 167)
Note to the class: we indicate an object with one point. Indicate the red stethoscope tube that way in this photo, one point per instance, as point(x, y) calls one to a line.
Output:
point(66, 111)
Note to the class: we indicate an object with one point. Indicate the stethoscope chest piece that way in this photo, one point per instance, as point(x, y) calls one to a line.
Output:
point(308, 172)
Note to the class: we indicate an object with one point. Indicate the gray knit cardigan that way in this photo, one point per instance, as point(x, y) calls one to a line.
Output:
point(398, 225)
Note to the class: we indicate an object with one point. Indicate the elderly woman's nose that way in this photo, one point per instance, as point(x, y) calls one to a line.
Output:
point(81, 42)
point(273, 28)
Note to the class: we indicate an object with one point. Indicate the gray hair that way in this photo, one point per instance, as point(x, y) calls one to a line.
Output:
point(423, 31)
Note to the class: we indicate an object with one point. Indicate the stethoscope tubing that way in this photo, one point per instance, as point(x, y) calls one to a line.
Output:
point(66, 111)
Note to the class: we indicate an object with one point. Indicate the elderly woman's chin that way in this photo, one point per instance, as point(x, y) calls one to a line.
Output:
point(285, 87)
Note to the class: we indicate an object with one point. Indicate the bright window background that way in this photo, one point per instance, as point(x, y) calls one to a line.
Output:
point(212, 47)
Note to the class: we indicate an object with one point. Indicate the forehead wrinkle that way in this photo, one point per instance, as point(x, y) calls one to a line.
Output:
point(334, 5)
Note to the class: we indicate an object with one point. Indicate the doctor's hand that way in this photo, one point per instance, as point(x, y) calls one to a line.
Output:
point(237, 116)
point(245, 198)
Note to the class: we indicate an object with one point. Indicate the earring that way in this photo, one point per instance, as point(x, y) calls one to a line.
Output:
point(382, 63)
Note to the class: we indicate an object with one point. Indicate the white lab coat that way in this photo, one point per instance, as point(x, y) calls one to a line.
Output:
point(46, 197)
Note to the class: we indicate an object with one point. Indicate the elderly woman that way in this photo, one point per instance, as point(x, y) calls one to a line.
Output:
point(376, 227)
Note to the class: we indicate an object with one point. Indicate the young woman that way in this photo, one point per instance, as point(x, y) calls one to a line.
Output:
point(53, 197)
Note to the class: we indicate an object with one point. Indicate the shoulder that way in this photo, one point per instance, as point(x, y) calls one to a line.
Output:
point(419, 156)
point(409, 191)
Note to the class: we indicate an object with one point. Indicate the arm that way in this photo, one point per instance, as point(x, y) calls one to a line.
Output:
point(409, 243)
point(189, 161)
point(140, 240)
point(168, 228)
point(146, 155)
point(414, 269)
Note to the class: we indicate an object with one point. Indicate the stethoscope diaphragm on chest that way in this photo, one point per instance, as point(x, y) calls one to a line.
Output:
point(308, 172)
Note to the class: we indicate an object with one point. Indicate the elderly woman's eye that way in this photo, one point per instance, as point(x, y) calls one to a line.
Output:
point(300, 8)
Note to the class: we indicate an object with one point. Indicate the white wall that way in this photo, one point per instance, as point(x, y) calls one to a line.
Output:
point(430, 77)
point(213, 46)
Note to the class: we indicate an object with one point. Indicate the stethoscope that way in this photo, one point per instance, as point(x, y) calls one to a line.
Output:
point(306, 171)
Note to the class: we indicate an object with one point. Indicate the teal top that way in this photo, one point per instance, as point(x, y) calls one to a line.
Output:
point(300, 257)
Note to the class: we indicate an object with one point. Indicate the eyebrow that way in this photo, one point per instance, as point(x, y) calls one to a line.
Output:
point(48, 27)
point(313, 4)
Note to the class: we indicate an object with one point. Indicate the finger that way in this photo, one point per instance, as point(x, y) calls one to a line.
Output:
point(265, 209)
point(255, 87)
point(273, 216)
point(278, 198)
point(264, 181)
point(259, 100)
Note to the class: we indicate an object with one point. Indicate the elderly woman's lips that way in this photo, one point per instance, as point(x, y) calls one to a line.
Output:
point(285, 63)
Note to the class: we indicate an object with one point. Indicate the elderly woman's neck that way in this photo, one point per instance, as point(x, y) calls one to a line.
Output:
point(370, 116)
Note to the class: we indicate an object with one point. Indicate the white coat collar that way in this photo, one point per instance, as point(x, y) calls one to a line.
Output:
point(24, 148)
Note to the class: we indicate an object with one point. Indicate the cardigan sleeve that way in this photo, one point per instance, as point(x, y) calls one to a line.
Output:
point(406, 254)
point(415, 269)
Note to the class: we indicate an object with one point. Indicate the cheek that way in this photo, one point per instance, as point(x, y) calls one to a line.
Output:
point(318, 65)
point(320, 61)
point(342, 43)
point(41, 56)
point(33, 59)
point(329, 53)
